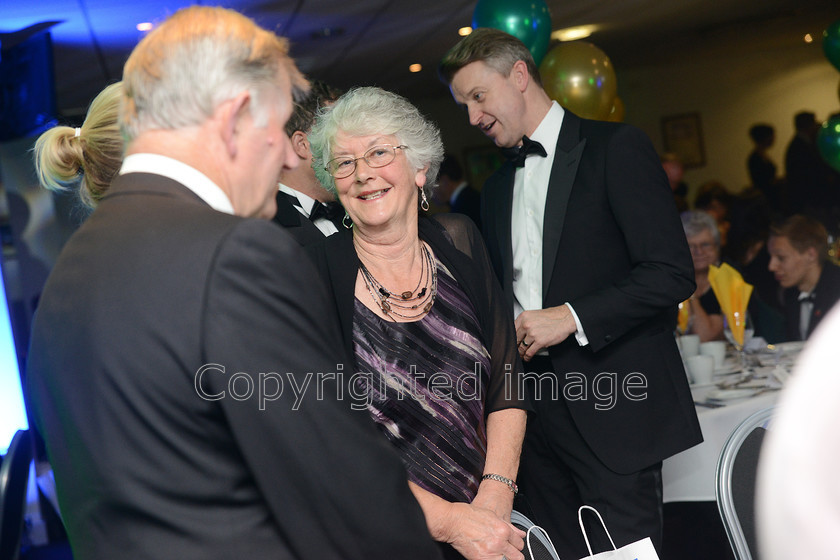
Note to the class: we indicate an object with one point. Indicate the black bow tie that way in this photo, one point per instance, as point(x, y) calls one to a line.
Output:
point(331, 211)
point(807, 297)
point(517, 154)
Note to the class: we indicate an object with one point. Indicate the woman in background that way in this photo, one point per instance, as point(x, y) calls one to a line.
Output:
point(91, 154)
point(703, 237)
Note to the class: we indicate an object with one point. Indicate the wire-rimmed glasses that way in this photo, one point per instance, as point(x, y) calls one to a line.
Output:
point(377, 156)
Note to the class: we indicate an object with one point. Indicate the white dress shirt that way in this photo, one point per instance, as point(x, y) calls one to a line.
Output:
point(179, 171)
point(530, 189)
point(305, 208)
point(456, 192)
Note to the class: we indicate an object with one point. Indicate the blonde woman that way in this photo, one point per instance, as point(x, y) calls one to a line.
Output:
point(89, 155)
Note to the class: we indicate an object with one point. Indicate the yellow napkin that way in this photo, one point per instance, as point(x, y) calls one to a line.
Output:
point(683, 316)
point(733, 294)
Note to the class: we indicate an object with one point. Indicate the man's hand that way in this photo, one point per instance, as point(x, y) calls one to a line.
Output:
point(541, 328)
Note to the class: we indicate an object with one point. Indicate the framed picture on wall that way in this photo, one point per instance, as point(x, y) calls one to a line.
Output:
point(480, 162)
point(682, 135)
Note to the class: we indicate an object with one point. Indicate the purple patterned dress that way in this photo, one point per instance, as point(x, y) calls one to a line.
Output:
point(426, 383)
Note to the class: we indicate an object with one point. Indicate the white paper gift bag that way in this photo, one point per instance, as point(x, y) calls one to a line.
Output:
point(639, 550)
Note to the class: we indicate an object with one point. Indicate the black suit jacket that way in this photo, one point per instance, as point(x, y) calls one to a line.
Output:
point(827, 293)
point(290, 218)
point(468, 202)
point(614, 248)
point(150, 377)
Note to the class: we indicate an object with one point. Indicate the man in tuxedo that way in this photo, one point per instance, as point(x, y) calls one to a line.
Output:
point(583, 233)
point(455, 192)
point(169, 363)
point(799, 260)
point(305, 208)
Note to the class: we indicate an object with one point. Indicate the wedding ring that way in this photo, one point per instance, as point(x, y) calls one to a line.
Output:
point(525, 344)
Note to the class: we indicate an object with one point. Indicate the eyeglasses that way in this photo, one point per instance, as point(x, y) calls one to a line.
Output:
point(377, 156)
point(700, 247)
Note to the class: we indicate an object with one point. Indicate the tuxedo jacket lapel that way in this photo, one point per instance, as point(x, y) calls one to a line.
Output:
point(563, 171)
point(503, 227)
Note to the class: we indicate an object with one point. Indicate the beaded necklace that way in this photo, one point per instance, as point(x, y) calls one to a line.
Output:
point(406, 305)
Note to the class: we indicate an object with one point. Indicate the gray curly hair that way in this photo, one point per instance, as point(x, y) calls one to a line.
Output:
point(364, 111)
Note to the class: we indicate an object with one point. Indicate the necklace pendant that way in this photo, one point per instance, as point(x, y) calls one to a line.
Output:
point(406, 295)
point(428, 306)
point(386, 307)
point(422, 292)
point(384, 292)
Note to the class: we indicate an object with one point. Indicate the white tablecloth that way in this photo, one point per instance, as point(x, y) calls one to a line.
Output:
point(690, 476)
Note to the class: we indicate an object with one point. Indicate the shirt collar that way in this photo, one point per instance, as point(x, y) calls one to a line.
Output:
point(306, 202)
point(457, 191)
point(190, 177)
point(549, 129)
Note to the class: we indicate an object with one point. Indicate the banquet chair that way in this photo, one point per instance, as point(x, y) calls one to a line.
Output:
point(14, 475)
point(541, 547)
point(735, 483)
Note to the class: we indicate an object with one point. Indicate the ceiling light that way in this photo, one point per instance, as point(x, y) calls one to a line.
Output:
point(464, 31)
point(574, 33)
point(415, 68)
point(145, 26)
point(808, 38)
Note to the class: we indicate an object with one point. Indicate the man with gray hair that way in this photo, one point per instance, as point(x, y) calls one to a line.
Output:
point(171, 365)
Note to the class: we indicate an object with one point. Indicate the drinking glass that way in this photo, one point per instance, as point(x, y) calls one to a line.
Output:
point(738, 320)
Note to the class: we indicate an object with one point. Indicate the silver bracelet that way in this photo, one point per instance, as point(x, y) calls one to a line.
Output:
point(499, 478)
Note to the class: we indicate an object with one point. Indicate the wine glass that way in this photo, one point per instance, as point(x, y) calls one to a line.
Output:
point(744, 322)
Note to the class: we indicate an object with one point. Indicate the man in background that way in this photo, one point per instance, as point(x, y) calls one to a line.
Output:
point(305, 208)
point(455, 192)
point(813, 187)
point(799, 260)
point(169, 360)
point(583, 234)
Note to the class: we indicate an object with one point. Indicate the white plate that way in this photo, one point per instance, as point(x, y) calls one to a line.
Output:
point(727, 370)
point(730, 394)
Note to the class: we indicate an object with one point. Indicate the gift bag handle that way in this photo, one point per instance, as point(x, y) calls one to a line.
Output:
point(544, 532)
point(585, 537)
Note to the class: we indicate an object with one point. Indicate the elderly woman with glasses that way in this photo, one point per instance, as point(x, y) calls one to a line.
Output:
point(703, 237)
point(423, 319)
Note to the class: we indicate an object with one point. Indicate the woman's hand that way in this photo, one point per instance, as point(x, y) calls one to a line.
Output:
point(478, 533)
point(474, 531)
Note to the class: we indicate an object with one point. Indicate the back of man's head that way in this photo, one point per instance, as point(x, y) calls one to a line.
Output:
point(306, 109)
point(497, 49)
point(803, 233)
point(197, 59)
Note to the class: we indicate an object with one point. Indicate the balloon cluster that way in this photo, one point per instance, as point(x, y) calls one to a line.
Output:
point(578, 75)
point(828, 138)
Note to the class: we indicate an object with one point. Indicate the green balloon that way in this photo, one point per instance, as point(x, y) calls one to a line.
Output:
point(828, 142)
point(831, 43)
point(527, 20)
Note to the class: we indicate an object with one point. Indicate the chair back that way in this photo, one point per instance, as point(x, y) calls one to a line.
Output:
point(735, 483)
point(14, 475)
